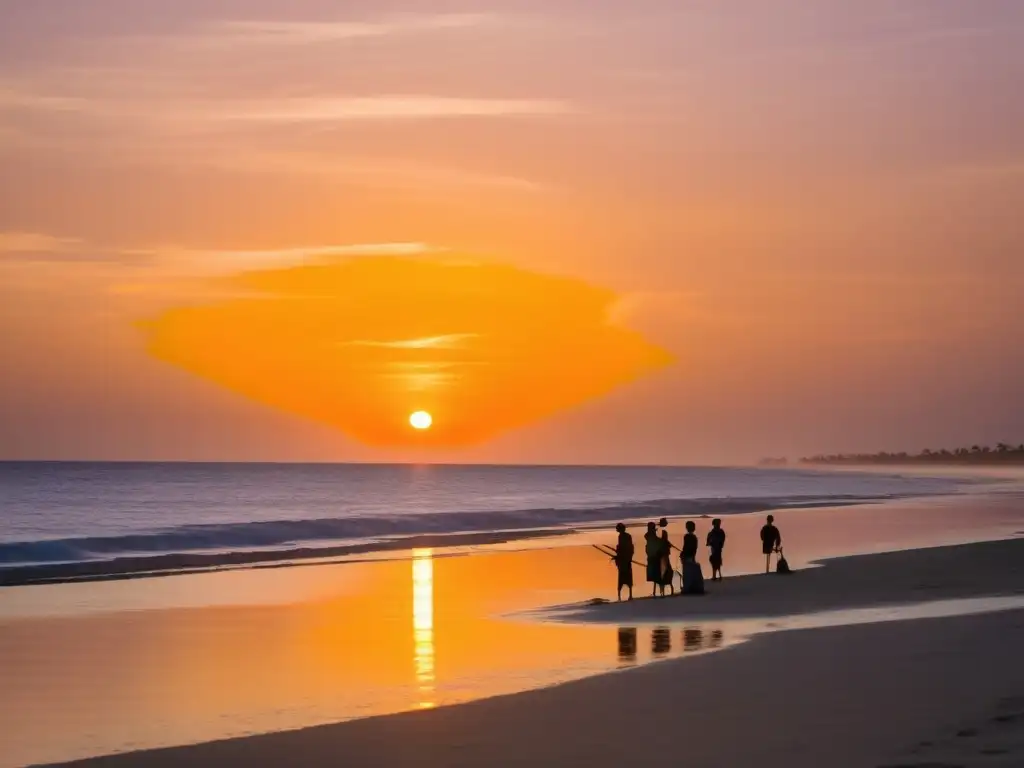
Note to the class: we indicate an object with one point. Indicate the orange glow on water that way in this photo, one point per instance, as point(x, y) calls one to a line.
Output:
point(423, 623)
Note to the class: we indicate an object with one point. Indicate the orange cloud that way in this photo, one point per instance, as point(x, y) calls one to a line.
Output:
point(361, 343)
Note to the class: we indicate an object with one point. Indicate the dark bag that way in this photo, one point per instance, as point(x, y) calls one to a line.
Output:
point(693, 578)
point(782, 566)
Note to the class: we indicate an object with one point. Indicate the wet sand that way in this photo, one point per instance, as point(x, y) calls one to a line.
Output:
point(946, 692)
point(183, 564)
point(922, 693)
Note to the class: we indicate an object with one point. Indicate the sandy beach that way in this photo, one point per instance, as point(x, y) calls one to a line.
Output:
point(890, 578)
point(917, 693)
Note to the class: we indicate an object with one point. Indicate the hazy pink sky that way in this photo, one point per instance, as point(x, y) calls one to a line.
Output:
point(815, 207)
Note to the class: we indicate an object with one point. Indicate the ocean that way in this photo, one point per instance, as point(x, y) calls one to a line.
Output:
point(210, 514)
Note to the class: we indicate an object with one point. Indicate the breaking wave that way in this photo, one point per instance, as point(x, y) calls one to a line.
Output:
point(373, 532)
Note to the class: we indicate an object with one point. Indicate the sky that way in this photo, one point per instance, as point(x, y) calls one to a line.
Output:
point(576, 231)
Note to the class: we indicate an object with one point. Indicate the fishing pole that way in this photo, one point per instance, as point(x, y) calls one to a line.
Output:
point(604, 550)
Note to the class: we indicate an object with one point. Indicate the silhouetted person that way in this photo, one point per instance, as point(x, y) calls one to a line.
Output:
point(666, 559)
point(716, 543)
point(690, 544)
point(624, 560)
point(627, 643)
point(693, 578)
point(771, 540)
point(653, 548)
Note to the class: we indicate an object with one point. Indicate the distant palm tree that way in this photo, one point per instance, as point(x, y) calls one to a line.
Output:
point(976, 453)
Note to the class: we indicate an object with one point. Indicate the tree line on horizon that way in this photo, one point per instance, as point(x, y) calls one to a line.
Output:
point(1002, 453)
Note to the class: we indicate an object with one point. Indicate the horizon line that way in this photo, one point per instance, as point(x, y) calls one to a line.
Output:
point(535, 465)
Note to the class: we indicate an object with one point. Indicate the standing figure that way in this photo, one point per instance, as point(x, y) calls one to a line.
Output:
point(667, 574)
point(689, 550)
point(624, 560)
point(716, 543)
point(693, 578)
point(771, 540)
point(653, 548)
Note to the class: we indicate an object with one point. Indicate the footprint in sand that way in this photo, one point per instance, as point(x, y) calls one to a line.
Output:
point(997, 743)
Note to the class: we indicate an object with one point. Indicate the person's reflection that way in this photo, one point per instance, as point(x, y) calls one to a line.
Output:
point(693, 639)
point(627, 644)
point(661, 641)
point(716, 639)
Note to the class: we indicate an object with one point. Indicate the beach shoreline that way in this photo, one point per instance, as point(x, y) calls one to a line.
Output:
point(902, 577)
point(142, 521)
point(845, 695)
point(193, 562)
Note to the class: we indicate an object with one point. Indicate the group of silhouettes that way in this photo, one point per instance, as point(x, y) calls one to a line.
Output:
point(658, 549)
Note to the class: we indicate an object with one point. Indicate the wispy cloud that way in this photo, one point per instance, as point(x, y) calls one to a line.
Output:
point(446, 341)
point(19, 243)
point(203, 260)
point(312, 251)
point(15, 98)
point(365, 171)
point(178, 110)
point(41, 248)
point(384, 107)
point(30, 246)
point(206, 95)
point(271, 32)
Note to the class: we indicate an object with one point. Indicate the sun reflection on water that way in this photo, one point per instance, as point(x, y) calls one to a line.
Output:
point(423, 624)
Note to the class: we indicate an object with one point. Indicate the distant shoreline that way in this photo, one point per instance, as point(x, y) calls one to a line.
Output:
point(1014, 461)
point(980, 455)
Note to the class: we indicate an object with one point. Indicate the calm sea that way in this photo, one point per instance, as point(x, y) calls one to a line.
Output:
point(74, 512)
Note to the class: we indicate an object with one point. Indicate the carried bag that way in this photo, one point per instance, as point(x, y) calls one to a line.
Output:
point(782, 566)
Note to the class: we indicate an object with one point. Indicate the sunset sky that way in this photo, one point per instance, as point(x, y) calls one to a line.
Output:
point(646, 232)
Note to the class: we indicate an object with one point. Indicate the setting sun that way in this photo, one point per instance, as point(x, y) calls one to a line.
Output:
point(421, 420)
